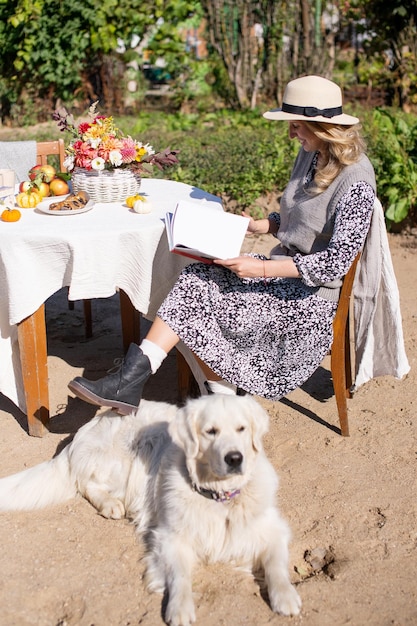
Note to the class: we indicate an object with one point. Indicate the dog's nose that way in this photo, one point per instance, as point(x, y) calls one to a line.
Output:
point(234, 459)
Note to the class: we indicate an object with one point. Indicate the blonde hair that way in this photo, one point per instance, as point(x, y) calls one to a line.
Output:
point(344, 145)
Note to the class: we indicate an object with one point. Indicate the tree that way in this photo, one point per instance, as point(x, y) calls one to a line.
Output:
point(392, 33)
point(264, 43)
point(61, 49)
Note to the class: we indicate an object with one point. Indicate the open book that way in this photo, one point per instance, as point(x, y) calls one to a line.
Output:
point(202, 232)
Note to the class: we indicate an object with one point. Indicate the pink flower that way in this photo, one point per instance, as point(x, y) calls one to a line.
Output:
point(84, 154)
point(107, 145)
point(128, 150)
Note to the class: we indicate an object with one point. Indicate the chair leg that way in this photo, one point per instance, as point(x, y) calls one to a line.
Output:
point(130, 321)
point(348, 362)
point(88, 319)
point(338, 368)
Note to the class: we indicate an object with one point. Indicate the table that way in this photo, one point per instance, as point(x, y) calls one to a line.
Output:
point(95, 254)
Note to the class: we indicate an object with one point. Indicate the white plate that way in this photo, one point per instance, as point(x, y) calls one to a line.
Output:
point(45, 204)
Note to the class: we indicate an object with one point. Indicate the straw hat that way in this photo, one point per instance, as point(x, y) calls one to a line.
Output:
point(314, 99)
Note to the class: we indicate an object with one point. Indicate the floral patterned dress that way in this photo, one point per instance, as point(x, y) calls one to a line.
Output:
point(268, 336)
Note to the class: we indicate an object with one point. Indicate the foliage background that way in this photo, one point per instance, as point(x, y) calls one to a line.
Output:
point(241, 157)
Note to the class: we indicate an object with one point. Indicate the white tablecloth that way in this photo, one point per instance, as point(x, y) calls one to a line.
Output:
point(94, 254)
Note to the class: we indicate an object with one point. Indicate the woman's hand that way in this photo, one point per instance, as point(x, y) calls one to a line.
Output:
point(260, 227)
point(251, 224)
point(243, 266)
point(247, 266)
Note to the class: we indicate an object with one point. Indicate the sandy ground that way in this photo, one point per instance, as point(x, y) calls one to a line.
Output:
point(351, 502)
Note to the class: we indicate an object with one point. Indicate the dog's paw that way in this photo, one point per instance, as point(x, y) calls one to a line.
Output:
point(180, 613)
point(112, 509)
point(285, 601)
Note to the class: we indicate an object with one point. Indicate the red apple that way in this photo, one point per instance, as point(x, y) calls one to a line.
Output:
point(34, 172)
point(25, 185)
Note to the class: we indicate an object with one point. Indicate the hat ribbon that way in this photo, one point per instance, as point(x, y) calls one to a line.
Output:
point(311, 111)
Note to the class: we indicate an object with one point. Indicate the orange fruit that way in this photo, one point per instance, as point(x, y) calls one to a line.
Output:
point(58, 187)
point(11, 215)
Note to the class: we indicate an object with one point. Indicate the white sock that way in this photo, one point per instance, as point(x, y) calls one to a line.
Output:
point(154, 353)
point(221, 386)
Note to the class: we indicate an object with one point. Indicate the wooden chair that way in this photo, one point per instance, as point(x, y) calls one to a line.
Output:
point(340, 359)
point(45, 149)
point(340, 356)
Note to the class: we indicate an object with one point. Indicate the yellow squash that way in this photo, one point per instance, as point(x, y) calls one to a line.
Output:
point(130, 201)
point(28, 199)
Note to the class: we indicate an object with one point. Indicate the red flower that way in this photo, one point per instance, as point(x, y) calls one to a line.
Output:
point(83, 127)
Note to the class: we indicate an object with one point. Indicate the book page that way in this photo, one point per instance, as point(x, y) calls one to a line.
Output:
point(205, 230)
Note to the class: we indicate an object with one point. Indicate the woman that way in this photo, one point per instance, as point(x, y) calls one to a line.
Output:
point(265, 324)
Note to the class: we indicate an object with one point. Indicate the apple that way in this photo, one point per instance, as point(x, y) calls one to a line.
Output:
point(25, 185)
point(58, 187)
point(34, 172)
point(48, 173)
point(43, 189)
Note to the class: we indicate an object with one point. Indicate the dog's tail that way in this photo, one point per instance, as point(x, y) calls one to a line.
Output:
point(39, 486)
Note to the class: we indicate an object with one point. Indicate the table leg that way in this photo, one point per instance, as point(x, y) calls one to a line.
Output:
point(130, 321)
point(33, 359)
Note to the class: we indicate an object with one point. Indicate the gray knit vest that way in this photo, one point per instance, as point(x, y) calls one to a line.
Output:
point(307, 220)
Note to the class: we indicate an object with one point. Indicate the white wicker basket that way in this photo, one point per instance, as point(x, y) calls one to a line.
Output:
point(106, 185)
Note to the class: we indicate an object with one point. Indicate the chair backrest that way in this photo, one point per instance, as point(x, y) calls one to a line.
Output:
point(341, 365)
point(49, 148)
point(342, 312)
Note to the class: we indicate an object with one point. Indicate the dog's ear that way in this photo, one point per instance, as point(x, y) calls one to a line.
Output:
point(260, 422)
point(183, 429)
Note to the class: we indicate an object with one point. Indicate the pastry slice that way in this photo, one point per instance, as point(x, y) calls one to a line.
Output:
point(71, 203)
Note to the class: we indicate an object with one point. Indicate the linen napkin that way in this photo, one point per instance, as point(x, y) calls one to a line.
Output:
point(19, 156)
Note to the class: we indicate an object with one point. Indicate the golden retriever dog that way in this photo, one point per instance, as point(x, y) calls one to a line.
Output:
point(195, 481)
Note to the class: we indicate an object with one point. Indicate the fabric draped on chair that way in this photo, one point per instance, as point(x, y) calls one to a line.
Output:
point(19, 156)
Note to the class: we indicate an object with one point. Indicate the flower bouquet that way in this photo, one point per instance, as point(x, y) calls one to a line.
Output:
point(102, 161)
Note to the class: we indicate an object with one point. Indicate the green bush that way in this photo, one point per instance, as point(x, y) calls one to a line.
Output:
point(237, 156)
point(241, 156)
point(392, 141)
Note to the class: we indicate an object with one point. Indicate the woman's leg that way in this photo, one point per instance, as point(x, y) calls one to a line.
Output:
point(162, 335)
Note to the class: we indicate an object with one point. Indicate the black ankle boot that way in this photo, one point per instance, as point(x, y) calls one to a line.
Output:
point(121, 390)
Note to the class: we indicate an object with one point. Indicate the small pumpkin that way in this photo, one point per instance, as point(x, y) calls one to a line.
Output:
point(28, 199)
point(11, 215)
point(130, 201)
point(142, 206)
